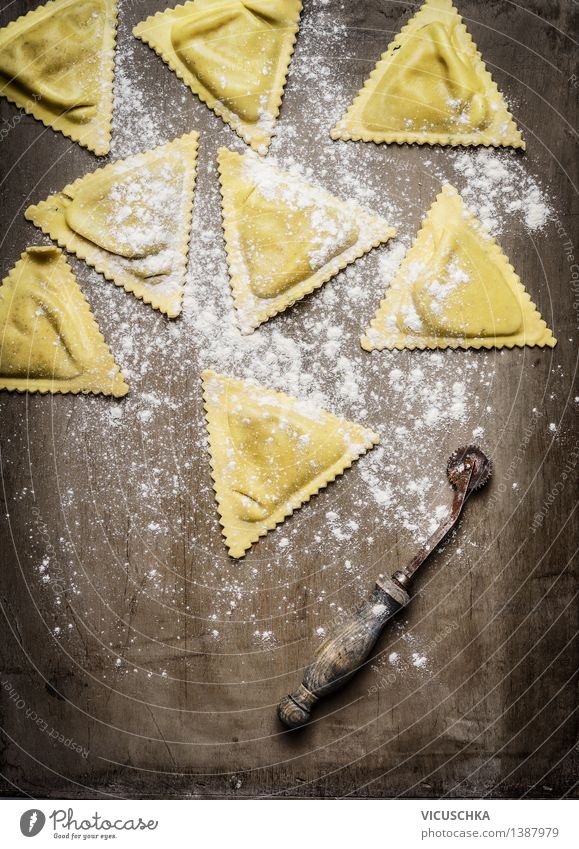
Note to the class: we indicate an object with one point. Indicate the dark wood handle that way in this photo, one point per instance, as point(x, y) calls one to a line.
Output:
point(343, 653)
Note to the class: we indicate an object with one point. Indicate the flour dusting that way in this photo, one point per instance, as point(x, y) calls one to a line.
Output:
point(152, 447)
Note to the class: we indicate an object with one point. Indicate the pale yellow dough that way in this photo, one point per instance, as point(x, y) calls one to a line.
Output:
point(285, 237)
point(455, 288)
point(431, 87)
point(57, 63)
point(131, 220)
point(269, 454)
point(49, 340)
point(234, 55)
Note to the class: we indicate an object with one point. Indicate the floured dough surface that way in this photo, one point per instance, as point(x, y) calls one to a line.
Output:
point(456, 288)
point(285, 237)
point(131, 220)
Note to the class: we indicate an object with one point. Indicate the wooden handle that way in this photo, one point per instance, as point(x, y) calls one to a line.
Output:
point(342, 654)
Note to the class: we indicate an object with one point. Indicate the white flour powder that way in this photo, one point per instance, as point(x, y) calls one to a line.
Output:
point(415, 400)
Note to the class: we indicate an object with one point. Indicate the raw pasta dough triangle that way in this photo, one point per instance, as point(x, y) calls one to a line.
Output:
point(431, 87)
point(49, 340)
point(455, 288)
point(269, 454)
point(285, 237)
point(57, 63)
point(234, 55)
point(131, 220)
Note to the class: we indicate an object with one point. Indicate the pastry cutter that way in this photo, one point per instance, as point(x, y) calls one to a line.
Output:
point(343, 653)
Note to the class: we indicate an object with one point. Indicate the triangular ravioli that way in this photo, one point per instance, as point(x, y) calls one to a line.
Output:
point(49, 340)
point(285, 237)
point(57, 63)
point(131, 220)
point(233, 54)
point(270, 453)
point(455, 288)
point(431, 86)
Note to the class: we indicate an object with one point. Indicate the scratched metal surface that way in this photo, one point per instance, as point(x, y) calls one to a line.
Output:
point(496, 716)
